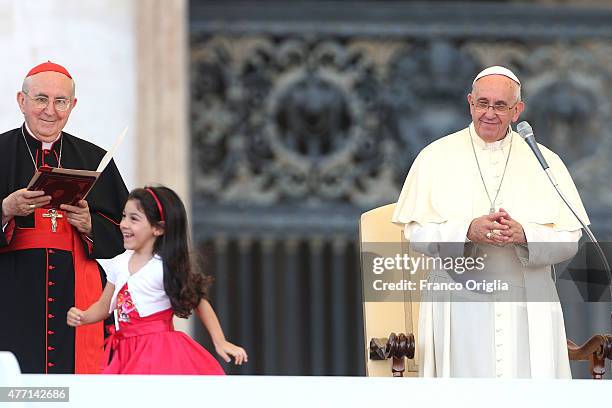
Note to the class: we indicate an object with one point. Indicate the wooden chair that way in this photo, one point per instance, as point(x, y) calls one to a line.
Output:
point(595, 350)
point(381, 318)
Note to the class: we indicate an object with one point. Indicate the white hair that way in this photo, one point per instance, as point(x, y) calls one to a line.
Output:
point(517, 87)
point(25, 86)
point(499, 70)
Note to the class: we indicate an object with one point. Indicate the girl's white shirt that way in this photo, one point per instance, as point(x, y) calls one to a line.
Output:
point(146, 285)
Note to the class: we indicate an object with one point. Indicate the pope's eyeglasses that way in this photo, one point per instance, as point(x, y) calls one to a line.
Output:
point(498, 108)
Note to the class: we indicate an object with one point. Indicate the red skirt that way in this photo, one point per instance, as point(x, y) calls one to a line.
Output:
point(150, 345)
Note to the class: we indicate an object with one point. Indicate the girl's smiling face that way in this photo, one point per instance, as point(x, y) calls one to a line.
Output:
point(138, 234)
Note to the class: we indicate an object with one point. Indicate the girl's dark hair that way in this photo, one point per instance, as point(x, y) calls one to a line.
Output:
point(183, 283)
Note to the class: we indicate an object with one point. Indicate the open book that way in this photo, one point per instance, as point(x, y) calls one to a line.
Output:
point(69, 186)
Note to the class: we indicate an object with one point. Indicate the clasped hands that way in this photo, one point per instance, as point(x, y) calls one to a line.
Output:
point(498, 228)
point(23, 202)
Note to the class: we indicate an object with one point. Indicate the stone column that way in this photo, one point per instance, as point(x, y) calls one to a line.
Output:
point(162, 94)
point(162, 99)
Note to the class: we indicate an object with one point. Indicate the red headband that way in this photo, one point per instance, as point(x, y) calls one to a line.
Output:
point(159, 206)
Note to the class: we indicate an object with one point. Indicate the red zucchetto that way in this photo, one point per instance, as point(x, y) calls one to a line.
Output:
point(48, 66)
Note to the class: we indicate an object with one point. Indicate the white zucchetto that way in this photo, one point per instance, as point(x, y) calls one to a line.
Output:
point(497, 70)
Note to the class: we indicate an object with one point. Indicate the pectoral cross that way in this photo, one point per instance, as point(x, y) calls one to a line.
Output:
point(54, 215)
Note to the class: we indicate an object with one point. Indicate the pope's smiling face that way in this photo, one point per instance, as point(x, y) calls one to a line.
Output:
point(46, 123)
point(500, 94)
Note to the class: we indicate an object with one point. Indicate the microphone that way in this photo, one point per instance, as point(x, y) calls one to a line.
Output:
point(525, 130)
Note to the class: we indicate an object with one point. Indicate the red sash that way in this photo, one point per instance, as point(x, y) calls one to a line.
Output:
point(89, 339)
point(158, 323)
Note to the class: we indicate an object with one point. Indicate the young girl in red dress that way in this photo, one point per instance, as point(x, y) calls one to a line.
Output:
point(149, 283)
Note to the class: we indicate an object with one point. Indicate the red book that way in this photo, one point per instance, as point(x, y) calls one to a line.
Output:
point(65, 186)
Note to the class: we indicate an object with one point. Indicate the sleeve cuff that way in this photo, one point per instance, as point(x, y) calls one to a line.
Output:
point(8, 229)
point(88, 243)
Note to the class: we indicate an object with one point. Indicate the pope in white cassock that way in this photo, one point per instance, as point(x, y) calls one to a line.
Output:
point(482, 187)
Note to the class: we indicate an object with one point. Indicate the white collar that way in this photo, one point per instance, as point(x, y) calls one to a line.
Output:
point(45, 145)
point(497, 145)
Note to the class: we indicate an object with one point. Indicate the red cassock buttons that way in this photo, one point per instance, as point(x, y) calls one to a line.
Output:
point(50, 348)
point(51, 267)
point(51, 283)
point(50, 364)
point(51, 299)
point(50, 316)
point(50, 332)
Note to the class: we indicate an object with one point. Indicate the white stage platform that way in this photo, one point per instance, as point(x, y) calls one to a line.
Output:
point(311, 392)
point(106, 391)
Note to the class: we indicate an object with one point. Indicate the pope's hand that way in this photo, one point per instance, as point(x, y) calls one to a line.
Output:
point(514, 231)
point(487, 229)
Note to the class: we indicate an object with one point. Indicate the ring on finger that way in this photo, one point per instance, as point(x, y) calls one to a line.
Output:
point(31, 206)
point(489, 235)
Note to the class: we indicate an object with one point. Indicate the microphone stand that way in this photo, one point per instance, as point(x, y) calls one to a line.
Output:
point(586, 229)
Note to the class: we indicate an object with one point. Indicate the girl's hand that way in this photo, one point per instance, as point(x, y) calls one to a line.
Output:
point(226, 349)
point(74, 317)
